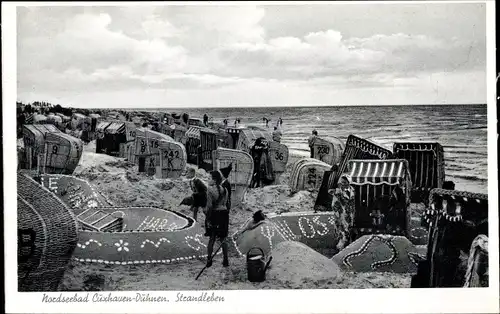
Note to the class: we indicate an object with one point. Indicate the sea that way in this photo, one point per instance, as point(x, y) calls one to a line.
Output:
point(460, 129)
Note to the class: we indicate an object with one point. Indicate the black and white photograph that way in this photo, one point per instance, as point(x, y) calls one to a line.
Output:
point(199, 148)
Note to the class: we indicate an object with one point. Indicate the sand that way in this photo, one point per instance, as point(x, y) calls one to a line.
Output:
point(295, 264)
point(121, 183)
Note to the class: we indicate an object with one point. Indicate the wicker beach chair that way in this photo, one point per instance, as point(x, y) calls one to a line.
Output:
point(47, 236)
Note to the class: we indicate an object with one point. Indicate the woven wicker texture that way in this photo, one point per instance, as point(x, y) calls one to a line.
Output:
point(241, 173)
point(373, 179)
point(34, 142)
point(162, 156)
point(355, 148)
point(456, 219)
point(63, 153)
point(307, 174)
point(328, 150)
point(55, 236)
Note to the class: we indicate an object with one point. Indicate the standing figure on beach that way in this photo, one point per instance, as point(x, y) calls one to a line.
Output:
point(280, 122)
point(311, 141)
point(205, 119)
point(343, 209)
point(217, 217)
point(226, 184)
point(225, 123)
point(266, 121)
point(277, 135)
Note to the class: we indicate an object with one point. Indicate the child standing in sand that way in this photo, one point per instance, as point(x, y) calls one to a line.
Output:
point(199, 192)
point(217, 217)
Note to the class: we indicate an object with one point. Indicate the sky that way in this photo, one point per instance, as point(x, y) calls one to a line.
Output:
point(252, 55)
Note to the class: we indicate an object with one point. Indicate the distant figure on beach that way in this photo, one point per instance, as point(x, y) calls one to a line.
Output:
point(185, 119)
point(311, 141)
point(225, 122)
point(237, 122)
point(205, 119)
point(217, 217)
point(266, 121)
point(280, 122)
point(277, 135)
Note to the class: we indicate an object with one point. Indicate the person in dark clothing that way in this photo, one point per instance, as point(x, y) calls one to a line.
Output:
point(205, 119)
point(217, 217)
point(311, 141)
point(448, 185)
point(226, 184)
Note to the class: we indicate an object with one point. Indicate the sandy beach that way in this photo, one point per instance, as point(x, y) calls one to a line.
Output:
point(120, 182)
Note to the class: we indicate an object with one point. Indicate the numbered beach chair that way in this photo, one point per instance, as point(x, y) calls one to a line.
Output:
point(427, 166)
point(158, 154)
point(328, 149)
point(62, 153)
point(34, 143)
point(382, 196)
point(455, 219)
point(355, 148)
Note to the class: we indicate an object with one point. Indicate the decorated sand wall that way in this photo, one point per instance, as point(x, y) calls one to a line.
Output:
point(153, 235)
point(378, 252)
point(74, 192)
point(141, 247)
point(317, 230)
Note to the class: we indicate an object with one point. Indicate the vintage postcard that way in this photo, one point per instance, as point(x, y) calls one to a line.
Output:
point(241, 157)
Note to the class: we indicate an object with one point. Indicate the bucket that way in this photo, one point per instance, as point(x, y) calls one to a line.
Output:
point(256, 265)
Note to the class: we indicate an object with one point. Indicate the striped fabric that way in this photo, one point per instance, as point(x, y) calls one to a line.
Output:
point(426, 163)
point(358, 148)
point(29, 119)
point(378, 171)
point(115, 128)
point(193, 132)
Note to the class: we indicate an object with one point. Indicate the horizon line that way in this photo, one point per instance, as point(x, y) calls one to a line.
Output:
point(257, 106)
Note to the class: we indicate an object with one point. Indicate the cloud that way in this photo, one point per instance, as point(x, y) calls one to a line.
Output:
point(216, 51)
point(326, 53)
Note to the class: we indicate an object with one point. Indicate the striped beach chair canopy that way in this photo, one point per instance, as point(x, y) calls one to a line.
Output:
point(362, 149)
point(193, 132)
point(377, 172)
point(115, 128)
